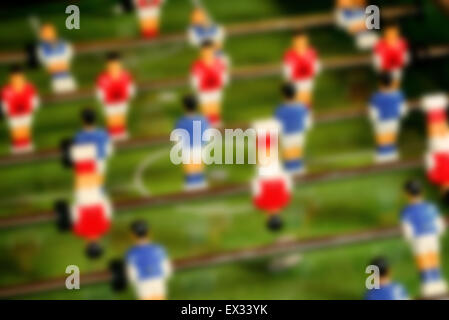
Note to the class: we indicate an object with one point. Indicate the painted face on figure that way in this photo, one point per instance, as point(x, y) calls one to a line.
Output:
point(17, 80)
point(114, 67)
point(344, 3)
point(208, 53)
point(386, 278)
point(300, 43)
point(412, 198)
point(48, 33)
point(144, 239)
point(199, 17)
point(392, 34)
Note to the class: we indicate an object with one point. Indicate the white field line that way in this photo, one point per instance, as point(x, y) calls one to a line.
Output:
point(138, 182)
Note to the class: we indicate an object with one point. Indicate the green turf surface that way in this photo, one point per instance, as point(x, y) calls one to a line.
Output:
point(97, 15)
point(330, 146)
point(155, 113)
point(212, 225)
point(25, 188)
point(334, 89)
point(337, 273)
point(220, 223)
point(174, 60)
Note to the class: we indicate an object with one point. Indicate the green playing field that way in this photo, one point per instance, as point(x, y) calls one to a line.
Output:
point(227, 222)
point(318, 275)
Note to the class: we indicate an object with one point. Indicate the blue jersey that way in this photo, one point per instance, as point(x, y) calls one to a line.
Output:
point(190, 122)
point(353, 14)
point(293, 117)
point(57, 51)
point(387, 104)
point(148, 260)
point(201, 33)
point(98, 137)
point(422, 217)
point(391, 291)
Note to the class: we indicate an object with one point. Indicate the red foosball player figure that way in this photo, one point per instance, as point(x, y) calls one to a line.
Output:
point(300, 66)
point(350, 16)
point(209, 75)
point(89, 216)
point(115, 88)
point(272, 186)
point(19, 102)
point(148, 13)
point(391, 53)
point(437, 156)
point(146, 266)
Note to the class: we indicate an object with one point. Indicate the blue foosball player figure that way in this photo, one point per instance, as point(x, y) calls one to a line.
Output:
point(295, 120)
point(386, 289)
point(193, 123)
point(423, 227)
point(387, 107)
point(146, 266)
point(56, 55)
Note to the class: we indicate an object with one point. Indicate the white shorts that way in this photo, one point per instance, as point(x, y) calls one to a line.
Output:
point(292, 140)
point(366, 40)
point(19, 121)
point(388, 126)
point(63, 84)
point(210, 96)
point(116, 108)
point(89, 196)
point(147, 13)
point(304, 85)
point(425, 244)
point(154, 287)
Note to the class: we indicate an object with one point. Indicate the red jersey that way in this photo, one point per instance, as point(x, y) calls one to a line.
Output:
point(18, 103)
point(273, 194)
point(92, 221)
point(209, 77)
point(143, 4)
point(391, 57)
point(438, 170)
point(301, 66)
point(115, 90)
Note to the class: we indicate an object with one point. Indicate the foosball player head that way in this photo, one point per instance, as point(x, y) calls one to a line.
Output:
point(118, 275)
point(275, 223)
point(94, 250)
point(65, 146)
point(62, 210)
